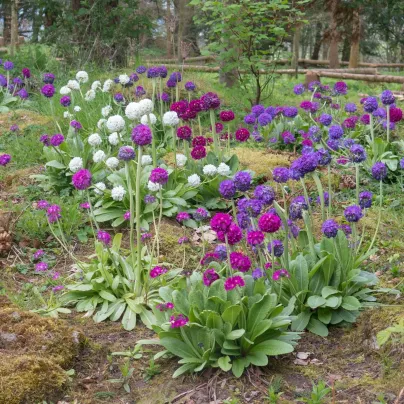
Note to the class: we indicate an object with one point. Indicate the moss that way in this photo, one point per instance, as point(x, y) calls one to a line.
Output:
point(23, 118)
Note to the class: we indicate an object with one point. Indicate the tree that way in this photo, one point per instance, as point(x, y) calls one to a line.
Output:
point(355, 39)
point(334, 35)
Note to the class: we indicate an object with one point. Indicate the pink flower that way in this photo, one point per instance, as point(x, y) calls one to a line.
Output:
point(269, 223)
point(280, 273)
point(178, 321)
point(234, 281)
point(157, 271)
point(209, 276)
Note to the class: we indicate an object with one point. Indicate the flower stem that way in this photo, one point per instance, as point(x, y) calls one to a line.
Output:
point(378, 219)
point(320, 194)
point(213, 124)
point(138, 271)
point(154, 154)
point(306, 195)
point(388, 123)
point(357, 182)
point(174, 146)
point(329, 191)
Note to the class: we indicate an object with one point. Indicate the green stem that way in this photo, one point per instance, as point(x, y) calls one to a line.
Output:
point(138, 271)
point(306, 195)
point(388, 124)
point(159, 221)
point(372, 135)
point(213, 124)
point(306, 219)
point(378, 219)
point(357, 182)
point(329, 191)
point(320, 194)
point(174, 146)
point(154, 154)
point(200, 126)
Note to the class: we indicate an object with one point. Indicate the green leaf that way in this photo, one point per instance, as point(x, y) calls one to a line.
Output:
point(55, 164)
point(177, 347)
point(231, 314)
point(259, 311)
point(180, 302)
point(183, 369)
point(324, 315)
point(258, 358)
point(316, 301)
point(224, 363)
point(328, 291)
point(317, 327)
point(272, 348)
point(350, 303)
point(260, 328)
point(301, 321)
point(235, 334)
point(107, 296)
point(333, 301)
point(129, 319)
point(238, 366)
point(301, 273)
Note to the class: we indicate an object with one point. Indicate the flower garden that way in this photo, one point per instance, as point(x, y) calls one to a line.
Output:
point(140, 228)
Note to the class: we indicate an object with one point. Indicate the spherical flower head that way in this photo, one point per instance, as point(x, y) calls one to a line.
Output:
point(335, 132)
point(330, 228)
point(276, 248)
point(85, 205)
point(48, 90)
point(297, 206)
point(99, 156)
point(42, 205)
point(325, 119)
point(357, 153)
point(257, 110)
point(157, 271)
point(159, 176)
point(265, 193)
point(149, 199)
point(133, 111)
point(126, 153)
point(365, 199)
point(290, 112)
point(141, 135)
point(370, 105)
point(308, 163)
point(226, 116)
point(134, 77)
point(299, 89)
point(402, 163)
point(23, 94)
point(293, 228)
point(184, 132)
point(280, 174)
point(201, 214)
point(176, 76)
point(57, 140)
point(179, 107)
point(210, 170)
point(53, 213)
point(145, 106)
point(104, 237)
point(242, 181)
point(350, 107)
point(190, 86)
point(379, 171)
point(81, 179)
point(76, 125)
point(280, 273)
point(178, 321)
point(199, 141)
point(118, 97)
point(140, 91)
point(14, 128)
point(141, 69)
point(41, 266)
point(349, 123)
point(387, 97)
point(198, 152)
point(65, 101)
point(38, 254)
point(118, 193)
point(269, 223)
point(126, 215)
point(3, 81)
point(314, 133)
point(99, 188)
point(26, 72)
point(221, 222)
point(255, 238)
point(4, 159)
point(396, 115)
point(326, 197)
point(183, 216)
point(115, 123)
point(194, 180)
point(233, 282)
point(346, 228)
point(223, 169)
point(210, 101)
point(94, 140)
point(8, 65)
point(209, 276)
point(165, 97)
point(153, 72)
point(353, 213)
point(340, 88)
point(288, 137)
point(170, 118)
point(112, 163)
point(264, 119)
point(365, 119)
point(242, 134)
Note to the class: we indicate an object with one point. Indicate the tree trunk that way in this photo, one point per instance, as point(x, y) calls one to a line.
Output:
point(296, 43)
point(14, 27)
point(334, 36)
point(190, 31)
point(36, 24)
point(180, 18)
point(318, 41)
point(346, 47)
point(7, 22)
point(324, 53)
point(355, 39)
point(168, 29)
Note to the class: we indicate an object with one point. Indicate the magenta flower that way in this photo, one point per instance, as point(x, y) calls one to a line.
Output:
point(269, 223)
point(85, 205)
point(57, 140)
point(126, 215)
point(82, 179)
point(183, 216)
point(239, 261)
point(53, 213)
point(198, 152)
point(209, 276)
point(165, 306)
point(210, 101)
point(242, 134)
point(104, 237)
point(48, 90)
point(221, 222)
point(234, 281)
point(141, 135)
point(280, 273)
point(55, 276)
point(210, 257)
point(4, 159)
point(233, 233)
point(58, 288)
point(38, 254)
point(41, 266)
point(178, 321)
point(227, 116)
point(42, 205)
point(157, 271)
point(159, 176)
point(255, 238)
point(184, 132)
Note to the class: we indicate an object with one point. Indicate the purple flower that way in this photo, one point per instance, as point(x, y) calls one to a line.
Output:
point(82, 179)
point(198, 152)
point(210, 101)
point(255, 238)
point(350, 107)
point(145, 236)
point(201, 214)
point(250, 119)
point(48, 78)
point(4, 159)
point(357, 153)
point(333, 144)
point(38, 254)
point(165, 97)
point(297, 206)
point(288, 137)
point(280, 273)
point(387, 97)
point(233, 233)
point(227, 116)
point(276, 246)
point(365, 199)
point(290, 112)
point(233, 282)
point(324, 157)
point(299, 89)
point(76, 125)
point(53, 213)
point(269, 223)
point(165, 306)
point(140, 91)
point(162, 71)
point(402, 163)
point(209, 276)
point(65, 101)
point(134, 78)
point(171, 83)
point(365, 119)
point(314, 133)
point(26, 72)
point(353, 213)
point(346, 228)
point(380, 113)
point(176, 76)
point(126, 153)
point(370, 105)
point(57, 288)
point(257, 273)
point(41, 266)
point(335, 132)
point(220, 222)
point(280, 174)
point(178, 321)
point(57, 140)
point(104, 237)
point(243, 220)
point(265, 193)
point(379, 171)
point(8, 65)
point(141, 69)
point(221, 252)
point(190, 86)
point(257, 110)
point(153, 72)
point(42, 205)
point(85, 205)
point(183, 216)
point(45, 140)
point(149, 199)
point(141, 135)
point(126, 215)
point(314, 85)
point(159, 176)
point(184, 132)
point(326, 197)
point(55, 276)
point(330, 228)
point(264, 119)
point(157, 271)
point(325, 119)
point(340, 87)
point(48, 90)
point(118, 97)
point(23, 94)
point(294, 229)
point(396, 114)
point(242, 134)
point(242, 180)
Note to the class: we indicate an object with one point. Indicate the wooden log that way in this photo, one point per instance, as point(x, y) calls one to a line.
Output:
point(1, 41)
point(191, 59)
point(311, 76)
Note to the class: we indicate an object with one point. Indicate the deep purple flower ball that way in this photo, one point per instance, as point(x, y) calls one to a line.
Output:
point(141, 69)
point(324, 157)
point(53, 213)
point(159, 176)
point(198, 152)
point(210, 101)
point(333, 144)
point(288, 137)
point(340, 87)
point(104, 237)
point(353, 213)
point(396, 115)
point(269, 223)
point(326, 197)
point(220, 222)
point(250, 119)
point(48, 78)
point(306, 105)
point(330, 228)
point(81, 179)
point(325, 119)
point(76, 125)
point(183, 216)
point(118, 97)
point(171, 83)
point(126, 153)
point(221, 251)
point(379, 171)
point(290, 112)
point(184, 132)
point(314, 133)
point(65, 101)
point(297, 206)
point(226, 116)
point(201, 214)
point(276, 246)
point(350, 107)
point(346, 228)
point(357, 153)
point(239, 261)
point(264, 119)
point(387, 97)
point(176, 76)
point(370, 105)
point(134, 78)
point(4, 159)
point(195, 106)
point(335, 132)
point(257, 273)
point(157, 271)
point(233, 233)
point(149, 199)
point(298, 89)
point(233, 282)
point(280, 174)
point(3, 81)
point(190, 86)
point(153, 72)
point(199, 141)
point(265, 193)
point(141, 135)
point(163, 72)
point(26, 72)
point(242, 134)
point(23, 94)
point(365, 199)
point(8, 65)
point(209, 276)
point(48, 90)
point(255, 237)
point(57, 140)
point(42, 204)
point(242, 180)
point(280, 273)
point(307, 163)
point(257, 110)
point(140, 91)
point(402, 163)
point(165, 97)
point(227, 189)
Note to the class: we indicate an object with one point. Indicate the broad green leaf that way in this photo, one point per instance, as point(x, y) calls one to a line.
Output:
point(301, 321)
point(333, 301)
point(259, 311)
point(301, 273)
point(350, 303)
point(258, 358)
point(231, 314)
point(328, 291)
point(235, 334)
point(224, 363)
point(317, 327)
point(316, 301)
point(129, 319)
point(180, 302)
point(260, 328)
point(107, 296)
point(238, 366)
point(188, 367)
point(324, 315)
point(272, 348)
point(177, 347)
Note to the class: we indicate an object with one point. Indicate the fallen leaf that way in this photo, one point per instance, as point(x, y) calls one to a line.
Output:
point(302, 355)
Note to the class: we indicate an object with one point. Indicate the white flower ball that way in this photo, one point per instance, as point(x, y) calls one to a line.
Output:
point(65, 90)
point(118, 192)
point(112, 163)
point(145, 121)
point(101, 123)
point(76, 164)
point(99, 188)
point(153, 186)
point(99, 156)
point(77, 108)
point(180, 159)
point(146, 106)
point(223, 169)
point(106, 111)
point(124, 79)
point(73, 85)
point(146, 160)
point(170, 118)
point(90, 95)
point(113, 139)
point(82, 76)
point(210, 170)
point(94, 139)
point(67, 115)
point(115, 123)
point(107, 85)
point(96, 85)
point(133, 111)
point(194, 180)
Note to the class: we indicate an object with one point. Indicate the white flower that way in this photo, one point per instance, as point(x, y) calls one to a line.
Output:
point(99, 156)
point(115, 123)
point(146, 160)
point(223, 169)
point(170, 118)
point(146, 106)
point(76, 164)
point(124, 79)
point(209, 169)
point(101, 123)
point(94, 139)
point(194, 180)
point(145, 121)
point(65, 90)
point(67, 115)
point(118, 192)
point(96, 85)
point(107, 85)
point(73, 85)
point(90, 95)
point(133, 111)
point(153, 186)
point(99, 188)
point(82, 76)
point(113, 138)
point(106, 111)
point(77, 108)
point(112, 163)
point(180, 159)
